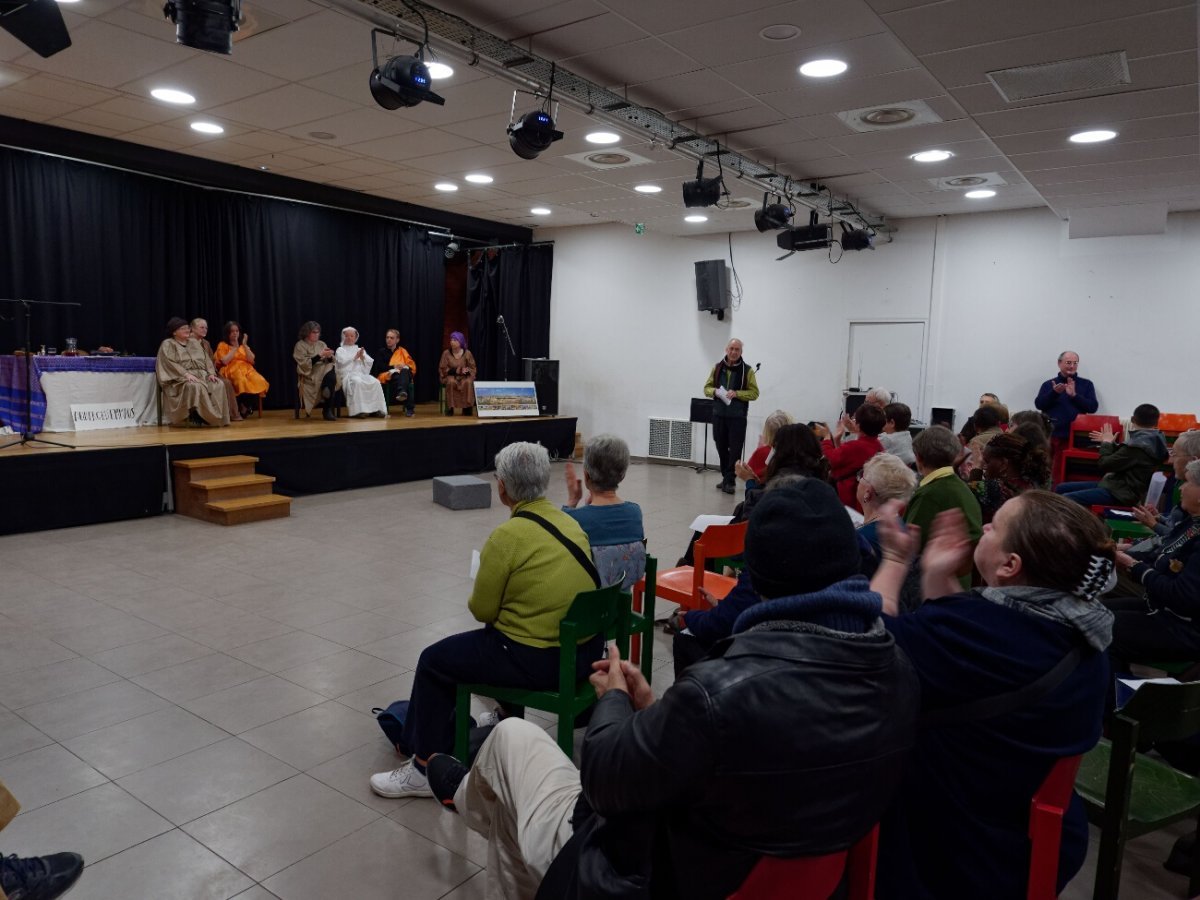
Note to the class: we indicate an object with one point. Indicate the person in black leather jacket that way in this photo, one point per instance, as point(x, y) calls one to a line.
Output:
point(788, 739)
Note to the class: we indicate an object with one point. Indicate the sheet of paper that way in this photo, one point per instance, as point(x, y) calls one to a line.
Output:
point(701, 522)
point(474, 564)
point(1158, 481)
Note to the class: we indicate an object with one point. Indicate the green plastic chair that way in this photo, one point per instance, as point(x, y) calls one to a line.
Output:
point(1128, 794)
point(605, 611)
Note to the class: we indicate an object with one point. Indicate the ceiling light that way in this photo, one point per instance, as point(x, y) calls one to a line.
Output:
point(451, 248)
point(438, 71)
point(823, 68)
point(446, 186)
point(770, 217)
point(648, 189)
point(602, 137)
point(540, 211)
point(207, 128)
point(928, 156)
point(779, 33)
point(170, 95)
point(889, 115)
point(401, 80)
point(857, 238)
point(695, 218)
point(607, 158)
point(533, 133)
point(966, 181)
point(479, 178)
point(67, 1)
point(979, 195)
point(1093, 137)
point(205, 24)
point(703, 191)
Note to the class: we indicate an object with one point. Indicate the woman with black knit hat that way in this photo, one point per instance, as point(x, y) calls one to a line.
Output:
point(192, 392)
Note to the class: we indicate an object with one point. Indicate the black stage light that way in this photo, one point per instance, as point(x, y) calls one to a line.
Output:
point(810, 237)
point(38, 24)
point(703, 191)
point(452, 249)
point(857, 238)
point(205, 24)
point(773, 216)
point(401, 80)
point(532, 133)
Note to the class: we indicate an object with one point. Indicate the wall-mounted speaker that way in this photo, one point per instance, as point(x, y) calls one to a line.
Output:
point(712, 286)
point(544, 375)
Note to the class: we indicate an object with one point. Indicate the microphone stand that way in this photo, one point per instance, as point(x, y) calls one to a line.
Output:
point(507, 340)
point(27, 436)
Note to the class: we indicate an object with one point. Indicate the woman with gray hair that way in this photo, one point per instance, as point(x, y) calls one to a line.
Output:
point(530, 570)
point(613, 526)
point(884, 477)
point(1185, 449)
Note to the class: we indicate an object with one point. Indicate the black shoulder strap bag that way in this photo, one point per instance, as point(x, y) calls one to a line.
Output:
point(579, 555)
point(1000, 704)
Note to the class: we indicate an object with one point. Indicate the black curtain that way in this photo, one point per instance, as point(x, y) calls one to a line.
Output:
point(513, 282)
point(136, 250)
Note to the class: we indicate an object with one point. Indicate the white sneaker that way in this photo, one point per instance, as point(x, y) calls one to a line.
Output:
point(488, 719)
point(405, 781)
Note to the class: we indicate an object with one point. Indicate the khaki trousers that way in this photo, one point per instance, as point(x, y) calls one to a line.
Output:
point(520, 795)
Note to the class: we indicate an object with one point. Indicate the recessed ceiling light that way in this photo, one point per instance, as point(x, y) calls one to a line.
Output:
point(263, 169)
point(540, 211)
point(479, 178)
point(170, 95)
point(602, 137)
point(439, 70)
point(695, 218)
point(979, 195)
point(888, 115)
point(207, 128)
point(648, 189)
point(823, 68)
point(68, 1)
point(966, 181)
point(607, 158)
point(779, 33)
point(446, 186)
point(931, 156)
point(1093, 137)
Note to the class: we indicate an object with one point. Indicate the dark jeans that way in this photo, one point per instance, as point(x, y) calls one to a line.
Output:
point(1086, 493)
point(729, 432)
point(1144, 637)
point(483, 656)
point(396, 384)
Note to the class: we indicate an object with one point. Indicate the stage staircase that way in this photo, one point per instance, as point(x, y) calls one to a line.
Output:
point(226, 490)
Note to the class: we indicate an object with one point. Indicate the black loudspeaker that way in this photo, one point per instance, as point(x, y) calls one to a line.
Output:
point(544, 375)
point(942, 415)
point(712, 286)
point(854, 399)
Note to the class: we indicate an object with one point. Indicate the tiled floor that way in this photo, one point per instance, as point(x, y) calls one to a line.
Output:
point(188, 706)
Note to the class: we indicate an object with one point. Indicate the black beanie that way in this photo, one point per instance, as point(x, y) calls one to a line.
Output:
point(799, 540)
point(174, 324)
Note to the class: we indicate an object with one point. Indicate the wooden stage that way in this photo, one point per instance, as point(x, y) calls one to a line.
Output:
point(122, 473)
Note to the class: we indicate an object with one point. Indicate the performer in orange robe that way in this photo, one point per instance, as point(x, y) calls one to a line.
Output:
point(397, 378)
point(235, 361)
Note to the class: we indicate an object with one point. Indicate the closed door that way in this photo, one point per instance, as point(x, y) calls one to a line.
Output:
point(887, 355)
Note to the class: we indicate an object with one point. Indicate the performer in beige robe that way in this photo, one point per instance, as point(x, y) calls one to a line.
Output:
point(200, 333)
point(315, 370)
point(364, 394)
point(191, 389)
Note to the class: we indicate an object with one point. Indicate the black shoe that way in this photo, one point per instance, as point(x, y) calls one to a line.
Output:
point(39, 877)
point(329, 413)
point(727, 487)
point(721, 484)
point(445, 774)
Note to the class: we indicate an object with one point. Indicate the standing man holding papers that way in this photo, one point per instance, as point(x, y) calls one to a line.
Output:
point(732, 386)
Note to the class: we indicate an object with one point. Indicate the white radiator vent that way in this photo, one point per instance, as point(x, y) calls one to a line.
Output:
point(671, 439)
point(1087, 73)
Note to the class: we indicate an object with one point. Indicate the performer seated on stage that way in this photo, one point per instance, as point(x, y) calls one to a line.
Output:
point(315, 371)
point(200, 334)
point(396, 370)
point(235, 361)
point(457, 371)
point(192, 392)
point(364, 395)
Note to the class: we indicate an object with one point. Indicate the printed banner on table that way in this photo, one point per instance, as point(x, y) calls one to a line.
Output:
point(505, 398)
point(90, 416)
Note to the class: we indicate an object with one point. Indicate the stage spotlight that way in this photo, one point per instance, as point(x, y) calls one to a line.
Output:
point(402, 80)
point(205, 24)
point(532, 133)
point(857, 238)
point(773, 216)
point(703, 191)
point(452, 248)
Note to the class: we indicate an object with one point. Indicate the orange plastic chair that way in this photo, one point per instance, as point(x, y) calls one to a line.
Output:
point(1046, 811)
point(682, 584)
point(1175, 424)
point(814, 877)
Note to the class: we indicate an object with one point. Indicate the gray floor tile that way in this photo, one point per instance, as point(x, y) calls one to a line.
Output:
point(277, 653)
point(47, 774)
point(171, 866)
point(382, 694)
point(350, 773)
point(253, 703)
point(18, 736)
point(404, 649)
point(198, 677)
point(94, 639)
point(197, 783)
point(146, 656)
point(258, 892)
point(18, 689)
point(236, 631)
point(341, 673)
point(281, 825)
point(429, 818)
point(136, 744)
point(69, 717)
point(27, 651)
point(313, 736)
point(472, 889)
point(371, 864)
point(360, 628)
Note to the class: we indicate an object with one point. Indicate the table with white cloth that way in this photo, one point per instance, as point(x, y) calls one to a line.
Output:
point(59, 381)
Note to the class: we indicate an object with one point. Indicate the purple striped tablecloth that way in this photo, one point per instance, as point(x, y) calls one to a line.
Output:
point(13, 386)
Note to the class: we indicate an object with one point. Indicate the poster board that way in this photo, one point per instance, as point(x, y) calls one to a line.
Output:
point(495, 399)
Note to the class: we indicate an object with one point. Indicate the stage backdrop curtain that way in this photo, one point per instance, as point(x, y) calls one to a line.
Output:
point(513, 282)
point(136, 250)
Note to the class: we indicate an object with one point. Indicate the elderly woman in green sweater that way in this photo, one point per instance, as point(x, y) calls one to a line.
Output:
point(530, 570)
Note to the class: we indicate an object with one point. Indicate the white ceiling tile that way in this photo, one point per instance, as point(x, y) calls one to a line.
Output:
point(425, 142)
point(329, 41)
point(908, 140)
point(144, 110)
point(354, 127)
point(1092, 112)
point(110, 122)
point(105, 55)
point(283, 107)
point(88, 127)
point(649, 59)
point(582, 34)
point(32, 107)
point(1111, 152)
point(879, 90)
point(214, 80)
point(662, 16)
point(1184, 168)
point(875, 54)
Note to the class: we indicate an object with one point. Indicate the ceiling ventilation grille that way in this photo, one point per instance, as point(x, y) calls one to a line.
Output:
point(1087, 73)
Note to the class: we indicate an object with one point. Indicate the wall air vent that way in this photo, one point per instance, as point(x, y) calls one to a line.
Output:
point(1069, 76)
point(670, 439)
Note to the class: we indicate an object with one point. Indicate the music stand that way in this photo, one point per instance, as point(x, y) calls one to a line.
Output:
point(27, 436)
point(702, 411)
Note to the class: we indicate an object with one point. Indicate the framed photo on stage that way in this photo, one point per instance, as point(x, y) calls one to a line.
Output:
point(495, 399)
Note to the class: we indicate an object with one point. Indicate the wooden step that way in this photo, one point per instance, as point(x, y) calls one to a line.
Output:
point(189, 470)
point(248, 509)
point(231, 488)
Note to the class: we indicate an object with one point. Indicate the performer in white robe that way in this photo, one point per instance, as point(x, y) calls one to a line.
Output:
point(364, 393)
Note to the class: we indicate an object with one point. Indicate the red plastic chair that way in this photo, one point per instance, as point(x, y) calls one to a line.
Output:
point(1080, 447)
point(814, 877)
point(682, 584)
point(1046, 811)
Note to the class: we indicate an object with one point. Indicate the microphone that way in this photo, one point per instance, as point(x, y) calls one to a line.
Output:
point(499, 320)
point(757, 366)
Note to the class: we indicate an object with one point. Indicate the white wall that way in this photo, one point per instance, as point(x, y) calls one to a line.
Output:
point(1002, 294)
